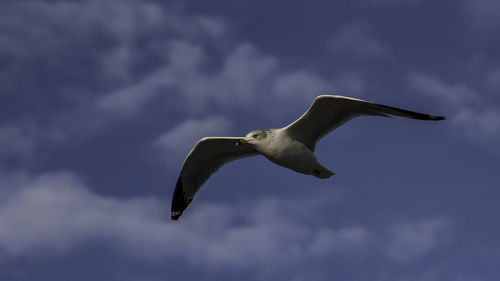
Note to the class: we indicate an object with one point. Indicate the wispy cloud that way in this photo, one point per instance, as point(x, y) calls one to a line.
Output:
point(493, 79)
point(458, 95)
point(470, 112)
point(343, 240)
point(398, 3)
point(174, 66)
point(413, 240)
point(301, 84)
point(88, 50)
point(358, 39)
point(16, 140)
point(483, 13)
point(479, 124)
point(176, 142)
point(54, 214)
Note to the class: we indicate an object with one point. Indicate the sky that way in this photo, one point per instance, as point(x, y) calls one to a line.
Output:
point(100, 101)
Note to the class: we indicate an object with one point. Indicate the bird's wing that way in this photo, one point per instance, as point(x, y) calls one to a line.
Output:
point(329, 112)
point(206, 157)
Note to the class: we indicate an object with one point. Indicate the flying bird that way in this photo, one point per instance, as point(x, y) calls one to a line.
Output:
point(291, 147)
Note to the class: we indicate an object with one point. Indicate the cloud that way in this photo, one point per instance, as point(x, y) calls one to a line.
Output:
point(343, 240)
point(34, 28)
point(114, 60)
point(456, 95)
point(15, 140)
point(479, 124)
point(470, 112)
point(493, 80)
point(244, 74)
point(358, 39)
point(301, 84)
point(398, 3)
point(413, 240)
point(92, 60)
point(55, 214)
point(483, 13)
point(176, 143)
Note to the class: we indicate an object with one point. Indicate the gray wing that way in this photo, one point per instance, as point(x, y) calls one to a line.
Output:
point(206, 157)
point(329, 112)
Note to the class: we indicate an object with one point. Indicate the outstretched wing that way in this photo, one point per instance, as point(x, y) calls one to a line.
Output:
point(329, 112)
point(206, 157)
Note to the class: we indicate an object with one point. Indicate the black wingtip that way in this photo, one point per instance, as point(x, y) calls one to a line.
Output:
point(176, 216)
point(179, 200)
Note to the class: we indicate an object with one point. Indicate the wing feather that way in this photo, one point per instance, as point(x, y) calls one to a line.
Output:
point(206, 157)
point(328, 112)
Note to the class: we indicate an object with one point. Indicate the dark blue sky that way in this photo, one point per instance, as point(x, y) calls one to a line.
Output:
point(100, 101)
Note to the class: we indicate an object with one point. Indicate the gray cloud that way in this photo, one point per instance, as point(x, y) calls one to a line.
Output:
point(458, 95)
point(55, 214)
point(34, 28)
point(343, 240)
point(479, 124)
point(471, 112)
point(493, 80)
point(399, 3)
point(89, 51)
point(16, 140)
point(176, 142)
point(178, 74)
point(358, 39)
point(413, 240)
point(301, 84)
point(483, 12)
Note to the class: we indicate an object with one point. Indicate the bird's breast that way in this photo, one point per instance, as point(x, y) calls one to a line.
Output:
point(291, 154)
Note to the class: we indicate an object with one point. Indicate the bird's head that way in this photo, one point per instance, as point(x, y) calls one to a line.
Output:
point(254, 137)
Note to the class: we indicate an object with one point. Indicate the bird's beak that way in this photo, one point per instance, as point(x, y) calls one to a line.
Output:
point(240, 142)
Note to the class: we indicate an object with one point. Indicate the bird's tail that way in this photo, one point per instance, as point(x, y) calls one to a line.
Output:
point(322, 172)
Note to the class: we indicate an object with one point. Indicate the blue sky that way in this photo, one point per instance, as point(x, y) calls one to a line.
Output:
point(100, 101)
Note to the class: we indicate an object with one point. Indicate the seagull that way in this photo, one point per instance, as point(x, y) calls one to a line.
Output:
point(291, 147)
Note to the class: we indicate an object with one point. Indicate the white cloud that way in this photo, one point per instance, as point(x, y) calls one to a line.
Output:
point(483, 13)
point(243, 78)
point(413, 240)
point(116, 63)
point(479, 124)
point(409, 3)
point(456, 95)
point(16, 139)
point(175, 62)
point(344, 240)
point(34, 28)
point(493, 80)
point(470, 112)
point(358, 39)
point(176, 142)
point(301, 84)
point(129, 100)
point(113, 38)
point(55, 214)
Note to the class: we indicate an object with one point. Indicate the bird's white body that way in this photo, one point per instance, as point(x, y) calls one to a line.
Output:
point(285, 151)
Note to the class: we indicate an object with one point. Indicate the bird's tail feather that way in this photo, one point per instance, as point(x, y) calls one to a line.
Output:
point(322, 172)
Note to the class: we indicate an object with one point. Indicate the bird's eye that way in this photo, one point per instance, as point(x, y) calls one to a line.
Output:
point(255, 136)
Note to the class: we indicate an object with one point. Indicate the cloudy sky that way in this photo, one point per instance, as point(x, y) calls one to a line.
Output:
point(101, 100)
